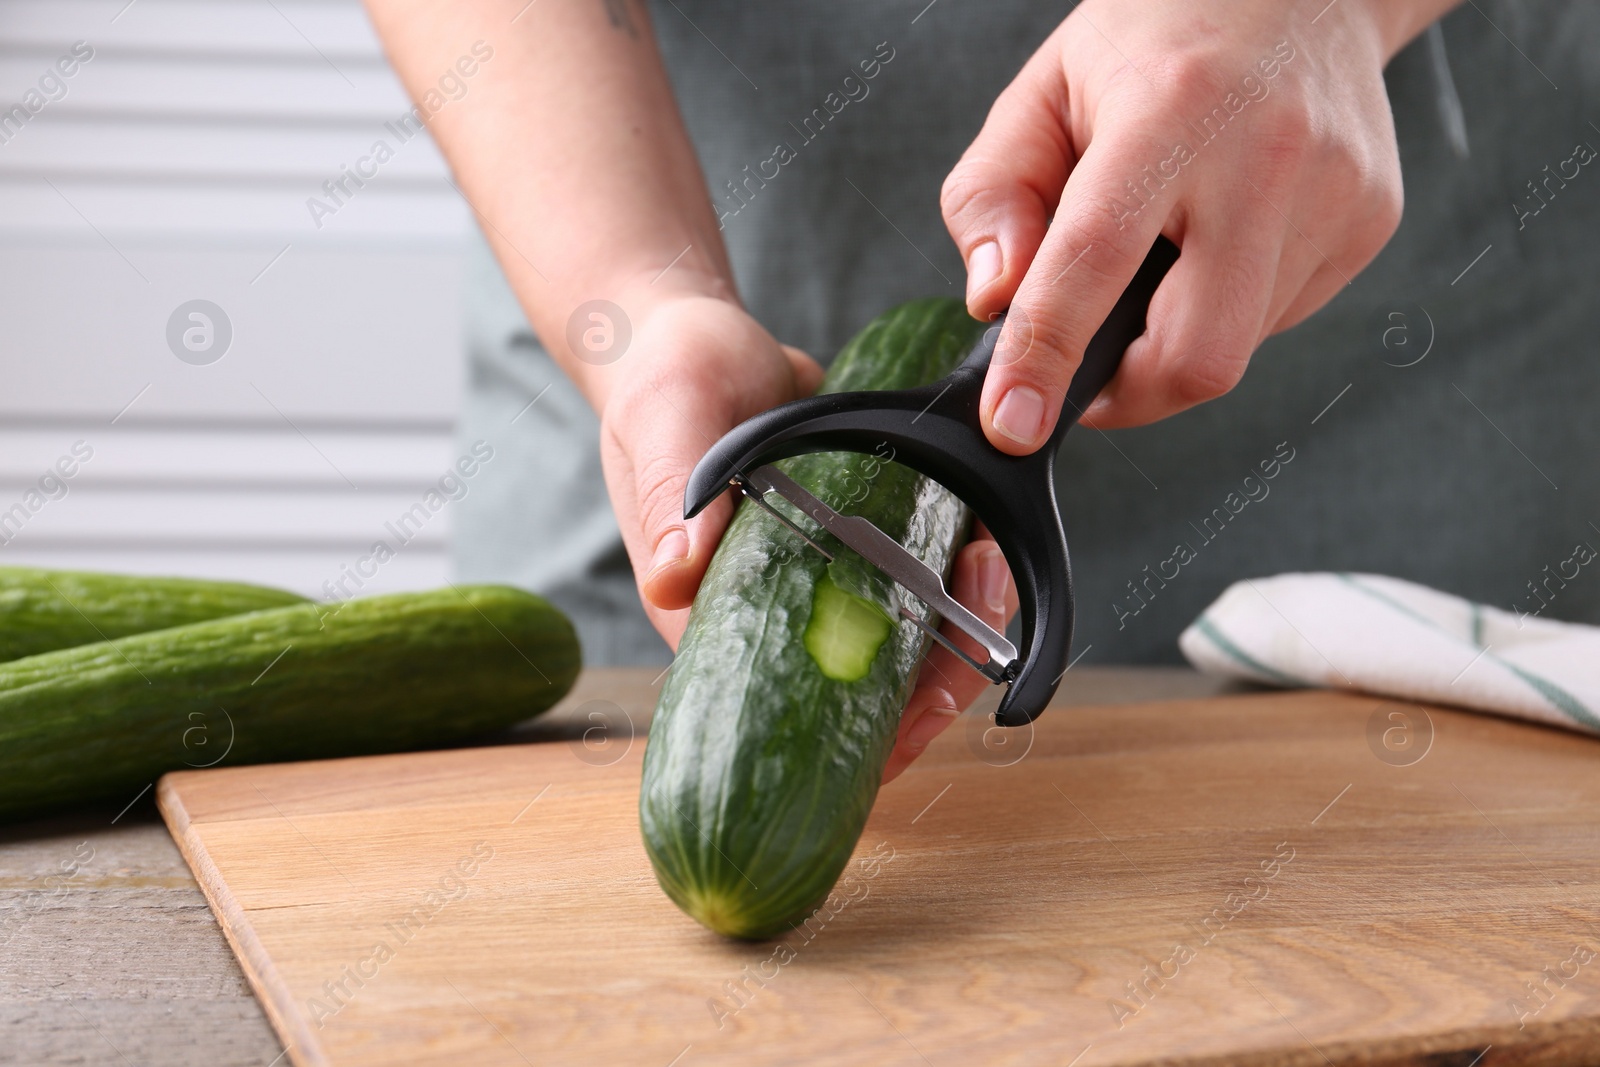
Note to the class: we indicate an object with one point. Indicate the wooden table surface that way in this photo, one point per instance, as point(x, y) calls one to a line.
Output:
point(108, 953)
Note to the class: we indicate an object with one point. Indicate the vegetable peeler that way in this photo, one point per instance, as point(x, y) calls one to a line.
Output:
point(934, 429)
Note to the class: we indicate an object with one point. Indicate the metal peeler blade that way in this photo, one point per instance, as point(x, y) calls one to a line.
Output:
point(885, 553)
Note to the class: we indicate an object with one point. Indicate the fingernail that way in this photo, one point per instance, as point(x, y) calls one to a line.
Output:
point(993, 577)
point(1020, 415)
point(672, 548)
point(983, 267)
point(934, 721)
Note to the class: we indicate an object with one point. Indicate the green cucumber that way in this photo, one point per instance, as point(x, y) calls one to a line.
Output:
point(43, 610)
point(780, 710)
point(379, 674)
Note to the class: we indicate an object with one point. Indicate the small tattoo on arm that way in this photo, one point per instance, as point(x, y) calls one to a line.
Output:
point(621, 18)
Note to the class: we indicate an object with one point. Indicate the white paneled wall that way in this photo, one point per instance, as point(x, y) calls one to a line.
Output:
point(176, 167)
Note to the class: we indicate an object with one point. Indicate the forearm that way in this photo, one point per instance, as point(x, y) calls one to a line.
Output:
point(571, 151)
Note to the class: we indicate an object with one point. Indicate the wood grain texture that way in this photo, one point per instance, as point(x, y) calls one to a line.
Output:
point(1234, 880)
point(110, 954)
point(123, 961)
point(118, 961)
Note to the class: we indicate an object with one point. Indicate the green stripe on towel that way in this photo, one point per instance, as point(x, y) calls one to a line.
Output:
point(1385, 598)
point(1243, 658)
point(1559, 697)
point(1556, 696)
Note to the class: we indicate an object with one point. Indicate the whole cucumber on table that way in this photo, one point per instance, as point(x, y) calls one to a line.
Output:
point(780, 710)
point(43, 610)
point(378, 674)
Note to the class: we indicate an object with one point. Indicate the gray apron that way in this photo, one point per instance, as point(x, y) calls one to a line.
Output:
point(1435, 422)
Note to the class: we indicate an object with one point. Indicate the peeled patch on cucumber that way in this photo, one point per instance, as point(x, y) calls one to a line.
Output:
point(782, 706)
point(844, 632)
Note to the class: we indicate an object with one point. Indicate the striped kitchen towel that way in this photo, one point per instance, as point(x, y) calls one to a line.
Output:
point(1396, 638)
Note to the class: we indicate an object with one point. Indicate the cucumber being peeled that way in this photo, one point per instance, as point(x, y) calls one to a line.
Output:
point(782, 706)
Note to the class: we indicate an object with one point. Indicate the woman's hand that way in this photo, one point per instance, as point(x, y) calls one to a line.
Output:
point(1256, 134)
point(697, 366)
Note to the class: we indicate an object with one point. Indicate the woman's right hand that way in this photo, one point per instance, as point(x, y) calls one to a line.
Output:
point(696, 367)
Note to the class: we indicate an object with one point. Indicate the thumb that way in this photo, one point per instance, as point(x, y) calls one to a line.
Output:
point(649, 449)
point(998, 199)
point(807, 371)
point(657, 433)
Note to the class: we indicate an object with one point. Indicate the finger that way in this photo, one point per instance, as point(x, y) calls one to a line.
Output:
point(650, 450)
point(929, 713)
point(807, 371)
point(669, 624)
point(997, 200)
point(1300, 266)
point(982, 582)
point(1114, 206)
point(1335, 262)
point(1325, 284)
point(673, 575)
point(1204, 321)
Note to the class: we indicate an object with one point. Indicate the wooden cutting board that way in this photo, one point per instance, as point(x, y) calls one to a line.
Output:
point(1299, 878)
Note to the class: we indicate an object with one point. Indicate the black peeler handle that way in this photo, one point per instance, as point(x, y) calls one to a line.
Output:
point(935, 430)
point(1101, 357)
